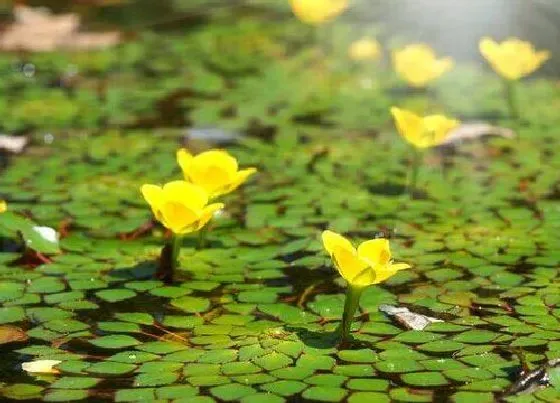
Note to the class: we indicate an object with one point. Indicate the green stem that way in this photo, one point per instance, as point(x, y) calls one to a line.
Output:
point(176, 241)
point(351, 303)
point(511, 98)
point(414, 169)
point(202, 238)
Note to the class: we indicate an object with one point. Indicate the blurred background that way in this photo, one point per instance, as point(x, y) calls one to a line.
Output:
point(452, 27)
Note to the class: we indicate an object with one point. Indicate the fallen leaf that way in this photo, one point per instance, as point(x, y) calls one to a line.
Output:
point(41, 366)
point(470, 131)
point(37, 30)
point(405, 317)
point(13, 144)
point(12, 334)
point(47, 233)
point(541, 377)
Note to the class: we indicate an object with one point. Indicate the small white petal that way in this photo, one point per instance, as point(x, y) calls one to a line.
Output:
point(47, 233)
point(41, 366)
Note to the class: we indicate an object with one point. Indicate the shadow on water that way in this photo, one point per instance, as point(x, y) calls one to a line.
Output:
point(319, 340)
point(140, 271)
point(325, 340)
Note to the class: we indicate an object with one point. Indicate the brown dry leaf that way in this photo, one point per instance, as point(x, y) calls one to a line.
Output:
point(405, 317)
point(13, 144)
point(11, 334)
point(37, 30)
point(470, 131)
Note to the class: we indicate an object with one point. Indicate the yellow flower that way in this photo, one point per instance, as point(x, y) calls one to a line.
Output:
point(370, 264)
point(513, 58)
point(180, 206)
point(215, 171)
point(317, 11)
point(423, 132)
point(418, 65)
point(364, 49)
point(3, 206)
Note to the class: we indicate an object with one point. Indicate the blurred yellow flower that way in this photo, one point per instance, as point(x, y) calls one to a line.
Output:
point(180, 206)
point(3, 206)
point(369, 264)
point(423, 132)
point(317, 11)
point(364, 49)
point(417, 64)
point(215, 171)
point(513, 58)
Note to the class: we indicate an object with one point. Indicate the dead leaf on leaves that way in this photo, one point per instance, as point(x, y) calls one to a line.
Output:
point(529, 381)
point(13, 144)
point(405, 317)
point(37, 30)
point(12, 334)
point(470, 131)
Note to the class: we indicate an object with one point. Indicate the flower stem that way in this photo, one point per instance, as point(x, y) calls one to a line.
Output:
point(202, 238)
point(511, 98)
point(414, 169)
point(176, 241)
point(351, 303)
point(168, 260)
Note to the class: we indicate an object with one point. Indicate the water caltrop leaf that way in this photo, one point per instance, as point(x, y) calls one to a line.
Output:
point(68, 382)
point(155, 379)
point(191, 304)
point(115, 341)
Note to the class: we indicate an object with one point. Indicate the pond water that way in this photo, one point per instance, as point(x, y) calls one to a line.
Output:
point(253, 315)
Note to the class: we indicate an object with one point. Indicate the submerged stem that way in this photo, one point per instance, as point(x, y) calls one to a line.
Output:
point(511, 98)
point(414, 169)
point(176, 241)
point(169, 258)
point(351, 303)
point(202, 238)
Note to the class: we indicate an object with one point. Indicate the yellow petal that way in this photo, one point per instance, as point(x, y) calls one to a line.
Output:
point(364, 49)
point(436, 129)
point(242, 176)
point(417, 64)
point(3, 206)
point(208, 213)
point(383, 273)
point(317, 11)
point(332, 241)
point(178, 217)
point(409, 125)
point(513, 58)
point(542, 56)
point(488, 47)
point(364, 278)
point(216, 158)
point(184, 159)
point(213, 170)
point(191, 195)
point(375, 252)
point(399, 266)
point(444, 65)
point(344, 255)
point(154, 196)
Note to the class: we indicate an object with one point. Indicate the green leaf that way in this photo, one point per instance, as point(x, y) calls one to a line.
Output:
point(68, 382)
point(324, 394)
point(115, 341)
point(232, 392)
point(191, 304)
